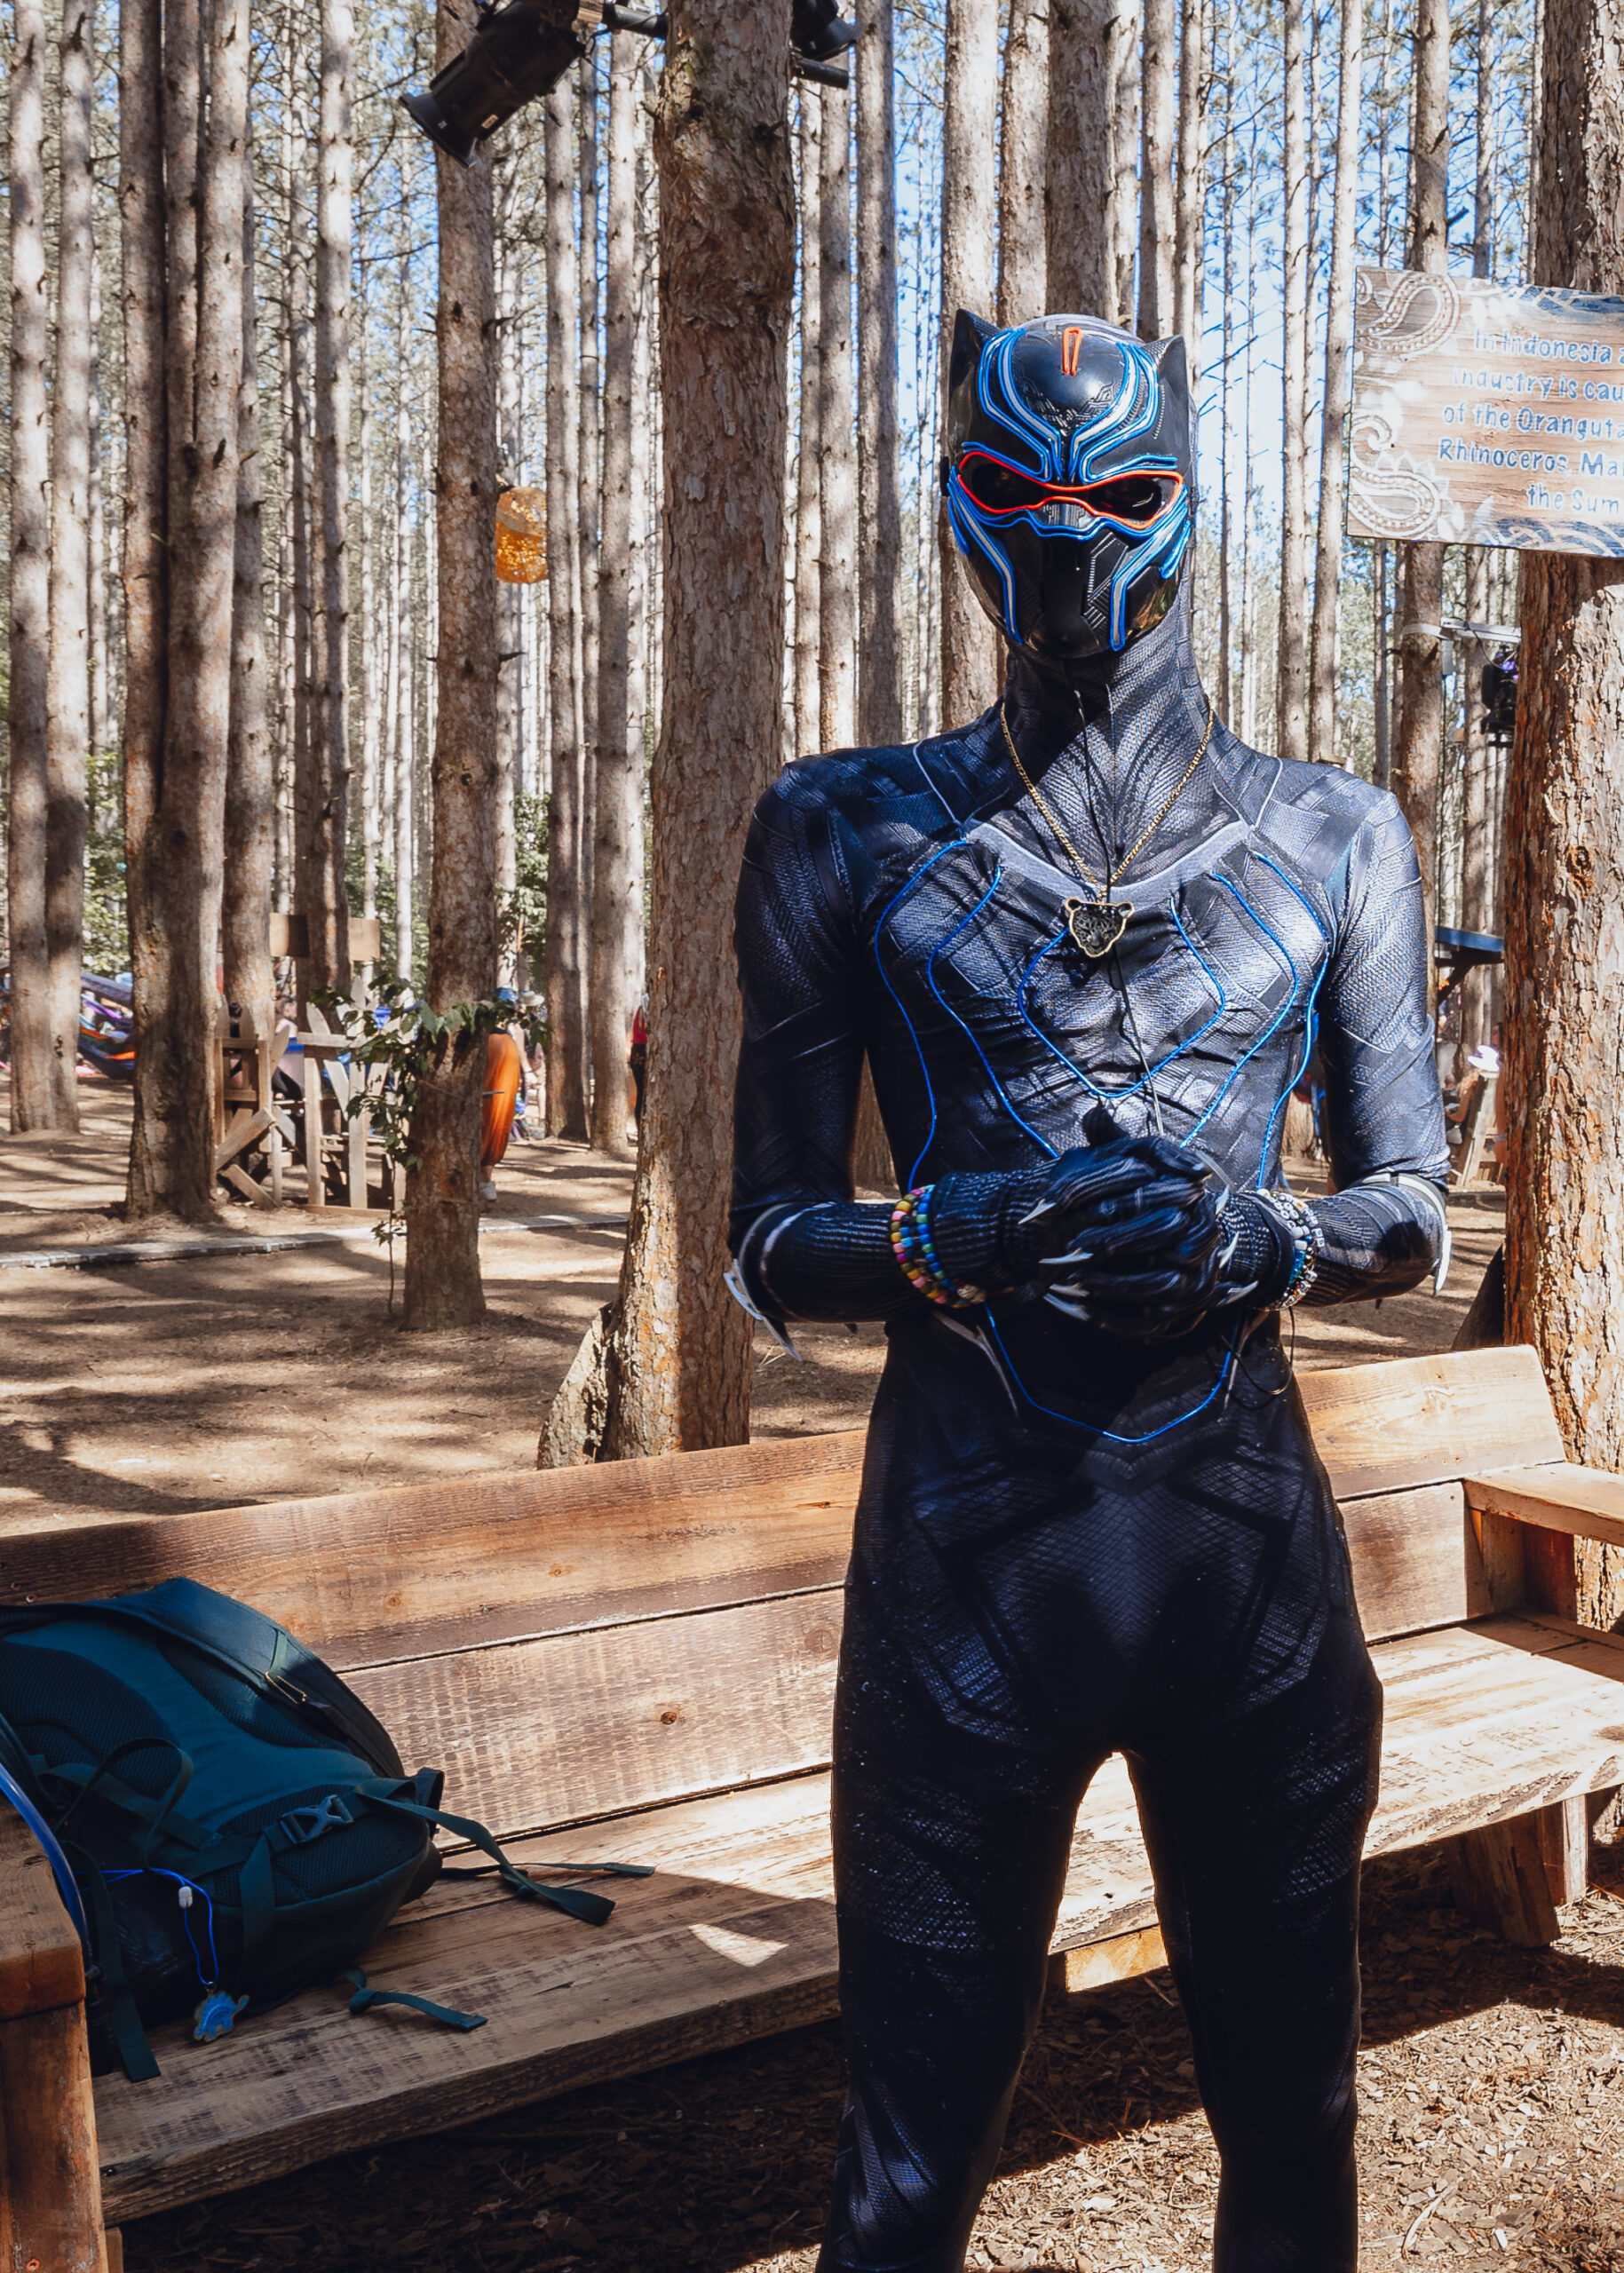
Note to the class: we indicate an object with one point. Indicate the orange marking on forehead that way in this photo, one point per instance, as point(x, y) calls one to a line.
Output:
point(1071, 347)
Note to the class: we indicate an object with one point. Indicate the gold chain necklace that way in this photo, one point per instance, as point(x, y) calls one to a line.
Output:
point(1098, 924)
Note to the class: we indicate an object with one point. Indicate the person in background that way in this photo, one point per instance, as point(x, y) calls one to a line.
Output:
point(637, 1059)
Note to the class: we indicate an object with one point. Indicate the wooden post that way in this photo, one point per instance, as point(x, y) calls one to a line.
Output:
point(312, 1130)
point(49, 2178)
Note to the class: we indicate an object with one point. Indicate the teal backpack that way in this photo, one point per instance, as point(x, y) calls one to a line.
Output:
point(228, 1823)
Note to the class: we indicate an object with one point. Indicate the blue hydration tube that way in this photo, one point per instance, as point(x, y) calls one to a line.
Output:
point(47, 1838)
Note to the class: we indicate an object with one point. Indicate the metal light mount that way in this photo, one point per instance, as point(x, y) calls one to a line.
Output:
point(523, 48)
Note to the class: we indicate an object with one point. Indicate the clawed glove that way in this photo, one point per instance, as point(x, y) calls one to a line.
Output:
point(1135, 1234)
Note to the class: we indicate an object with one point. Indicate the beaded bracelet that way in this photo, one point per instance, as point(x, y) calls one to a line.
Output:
point(1304, 1229)
point(916, 1256)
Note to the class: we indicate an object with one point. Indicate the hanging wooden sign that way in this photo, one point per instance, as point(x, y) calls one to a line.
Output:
point(1487, 414)
point(522, 536)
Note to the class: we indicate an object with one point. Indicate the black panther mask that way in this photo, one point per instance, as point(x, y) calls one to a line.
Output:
point(1069, 479)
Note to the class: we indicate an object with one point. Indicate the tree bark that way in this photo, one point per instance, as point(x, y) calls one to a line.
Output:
point(971, 653)
point(251, 783)
point(145, 553)
point(1088, 40)
point(565, 976)
point(587, 523)
point(308, 795)
point(1191, 247)
point(67, 700)
point(1338, 349)
point(368, 649)
point(442, 1201)
point(879, 543)
point(1477, 862)
point(406, 751)
point(1158, 232)
point(326, 907)
point(34, 1077)
point(679, 1351)
point(1291, 685)
point(103, 707)
point(809, 483)
point(1421, 655)
point(836, 578)
point(1124, 210)
point(204, 84)
point(617, 860)
point(1565, 839)
point(1023, 264)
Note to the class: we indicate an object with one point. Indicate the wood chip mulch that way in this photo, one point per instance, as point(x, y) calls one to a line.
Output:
point(1491, 2084)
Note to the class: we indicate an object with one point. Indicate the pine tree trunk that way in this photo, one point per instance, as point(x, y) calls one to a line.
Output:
point(1564, 839)
point(589, 509)
point(34, 1075)
point(251, 784)
point(564, 979)
point(1291, 686)
point(1158, 229)
point(879, 545)
point(103, 707)
point(1338, 351)
point(617, 859)
point(1191, 250)
point(67, 694)
point(205, 111)
point(307, 801)
point(327, 910)
point(1421, 689)
point(442, 1202)
point(1087, 41)
point(1023, 267)
point(1123, 216)
point(145, 553)
point(838, 567)
point(1476, 851)
point(809, 484)
point(971, 653)
point(406, 749)
point(678, 1362)
point(365, 645)
point(1227, 688)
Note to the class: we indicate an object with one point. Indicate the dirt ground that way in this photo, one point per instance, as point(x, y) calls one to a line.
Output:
point(1491, 2077)
point(135, 1389)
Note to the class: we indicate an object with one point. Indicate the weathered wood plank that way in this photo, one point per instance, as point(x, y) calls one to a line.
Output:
point(622, 1717)
point(734, 1936)
point(41, 1966)
point(1410, 1421)
point(365, 1576)
point(1584, 1502)
point(51, 2209)
point(1499, 1878)
point(1097, 1964)
point(1416, 1561)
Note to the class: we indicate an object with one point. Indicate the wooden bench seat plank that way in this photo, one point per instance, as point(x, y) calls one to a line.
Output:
point(1585, 1502)
point(1410, 1421)
point(735, 1937)
point(41, 1966)
point(601, 1721)
point(365, 1577)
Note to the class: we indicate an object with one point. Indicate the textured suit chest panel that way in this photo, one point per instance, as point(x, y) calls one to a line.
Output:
point(1207, 1003)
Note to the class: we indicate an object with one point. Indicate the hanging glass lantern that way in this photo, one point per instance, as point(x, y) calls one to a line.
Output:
point(522, 536)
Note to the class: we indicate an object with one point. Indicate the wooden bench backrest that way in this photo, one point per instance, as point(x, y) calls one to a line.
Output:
point(584, 1642)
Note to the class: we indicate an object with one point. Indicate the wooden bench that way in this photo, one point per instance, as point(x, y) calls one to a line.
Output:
point(636, 1663)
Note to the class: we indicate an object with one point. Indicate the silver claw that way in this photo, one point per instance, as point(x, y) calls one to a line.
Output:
point(1077, 1255)
point(1043, 1207)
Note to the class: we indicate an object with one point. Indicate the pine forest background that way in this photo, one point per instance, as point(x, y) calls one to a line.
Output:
point(556, 362)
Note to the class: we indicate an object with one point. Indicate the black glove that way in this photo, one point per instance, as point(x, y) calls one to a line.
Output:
point(1135, 1234)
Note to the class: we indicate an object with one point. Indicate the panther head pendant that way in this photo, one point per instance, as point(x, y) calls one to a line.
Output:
point(1095, 925)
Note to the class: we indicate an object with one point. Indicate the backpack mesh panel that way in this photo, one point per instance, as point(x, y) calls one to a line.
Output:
point(104, 1713)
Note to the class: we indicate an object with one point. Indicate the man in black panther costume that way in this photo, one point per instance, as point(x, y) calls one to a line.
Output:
point(1087, 943)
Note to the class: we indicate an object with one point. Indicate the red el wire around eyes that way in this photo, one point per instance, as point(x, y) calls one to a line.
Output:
point(1048, 492)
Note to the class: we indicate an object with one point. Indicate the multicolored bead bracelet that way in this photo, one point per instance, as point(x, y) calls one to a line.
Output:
point(916, 1256)
point(1299, 1220)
